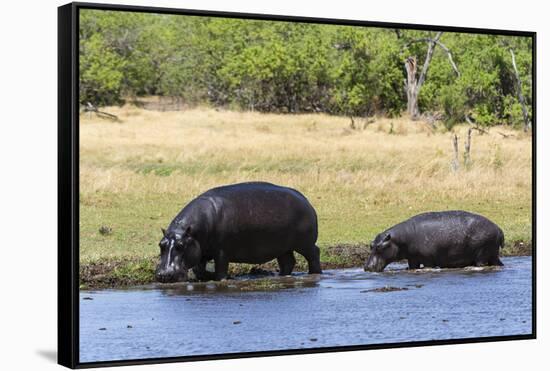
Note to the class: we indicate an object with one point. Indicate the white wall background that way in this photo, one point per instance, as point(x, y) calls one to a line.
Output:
point(28, 79)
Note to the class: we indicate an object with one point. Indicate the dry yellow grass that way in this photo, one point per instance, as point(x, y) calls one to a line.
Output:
point(136, 174)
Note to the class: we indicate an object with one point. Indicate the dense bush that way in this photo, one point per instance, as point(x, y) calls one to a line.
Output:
point(297, 67)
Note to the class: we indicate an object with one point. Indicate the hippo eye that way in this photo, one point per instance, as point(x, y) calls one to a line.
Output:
point(163, 244)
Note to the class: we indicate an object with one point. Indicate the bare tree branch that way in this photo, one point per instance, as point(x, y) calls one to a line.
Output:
point(505, 135)
point(428, 60)
point(439, 43)
point(412, 84)
point(89, 107)
point(474, 125)
point(527, 123)
point(450, 55)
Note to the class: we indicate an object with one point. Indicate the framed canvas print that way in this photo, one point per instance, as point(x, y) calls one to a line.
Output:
point(237, 185)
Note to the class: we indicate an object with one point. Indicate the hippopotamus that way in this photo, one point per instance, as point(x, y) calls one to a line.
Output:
point(446, 239)
point(251, 222)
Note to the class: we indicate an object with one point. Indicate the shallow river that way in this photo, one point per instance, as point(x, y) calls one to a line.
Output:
point(337, 308)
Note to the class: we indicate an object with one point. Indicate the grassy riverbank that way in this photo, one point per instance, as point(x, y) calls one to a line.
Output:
point(138, 172)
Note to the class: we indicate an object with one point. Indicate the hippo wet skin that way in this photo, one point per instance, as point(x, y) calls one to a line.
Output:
point(241, 223)
point(448, 239)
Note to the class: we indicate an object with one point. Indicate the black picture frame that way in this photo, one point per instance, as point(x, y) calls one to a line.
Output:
point(68, 182)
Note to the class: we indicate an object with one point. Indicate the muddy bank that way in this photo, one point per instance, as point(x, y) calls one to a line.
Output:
point(119, 272)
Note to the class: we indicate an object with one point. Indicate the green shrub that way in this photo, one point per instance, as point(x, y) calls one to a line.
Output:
point(296, 67)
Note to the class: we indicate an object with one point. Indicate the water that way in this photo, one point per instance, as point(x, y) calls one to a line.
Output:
point(303, 311)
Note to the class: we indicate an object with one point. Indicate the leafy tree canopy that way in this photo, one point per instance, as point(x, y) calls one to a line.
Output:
point(297, 67)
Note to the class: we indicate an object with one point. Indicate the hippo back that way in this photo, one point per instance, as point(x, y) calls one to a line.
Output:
point(456, 222)
point(260, 206)
point(449, 235)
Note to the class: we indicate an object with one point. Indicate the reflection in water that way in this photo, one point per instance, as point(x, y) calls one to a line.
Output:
point(337, 308)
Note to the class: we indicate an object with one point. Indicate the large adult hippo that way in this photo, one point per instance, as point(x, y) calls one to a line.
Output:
point(447, 239)
point(242, 223)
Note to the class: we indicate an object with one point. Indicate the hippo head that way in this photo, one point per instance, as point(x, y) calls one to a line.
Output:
point(179, 252)
point(383, 251)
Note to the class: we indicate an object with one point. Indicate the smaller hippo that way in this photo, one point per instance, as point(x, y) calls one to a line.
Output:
point(446, 239)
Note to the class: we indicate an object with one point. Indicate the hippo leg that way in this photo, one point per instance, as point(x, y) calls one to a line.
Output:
point(493, 255)
point(481, 259)
point(495, 261)
point(413, 264)
point(312, 256)
point(221, 264)
point(202, 274)
point(286, 263)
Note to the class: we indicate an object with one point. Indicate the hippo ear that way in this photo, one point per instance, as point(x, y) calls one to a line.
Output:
point(192, 254)
point(163, 232)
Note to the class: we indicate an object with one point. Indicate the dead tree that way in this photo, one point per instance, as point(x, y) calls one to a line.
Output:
point(411, 87)
point(412, 84)
point(526, 121)
point(352, 122)
point(467, 145)
point(455, 163)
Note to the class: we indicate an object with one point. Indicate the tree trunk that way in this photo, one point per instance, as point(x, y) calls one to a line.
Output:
point(467, 145)
point(413, 85)
point(410, 85)
point(526, 122)
point(455, 164)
